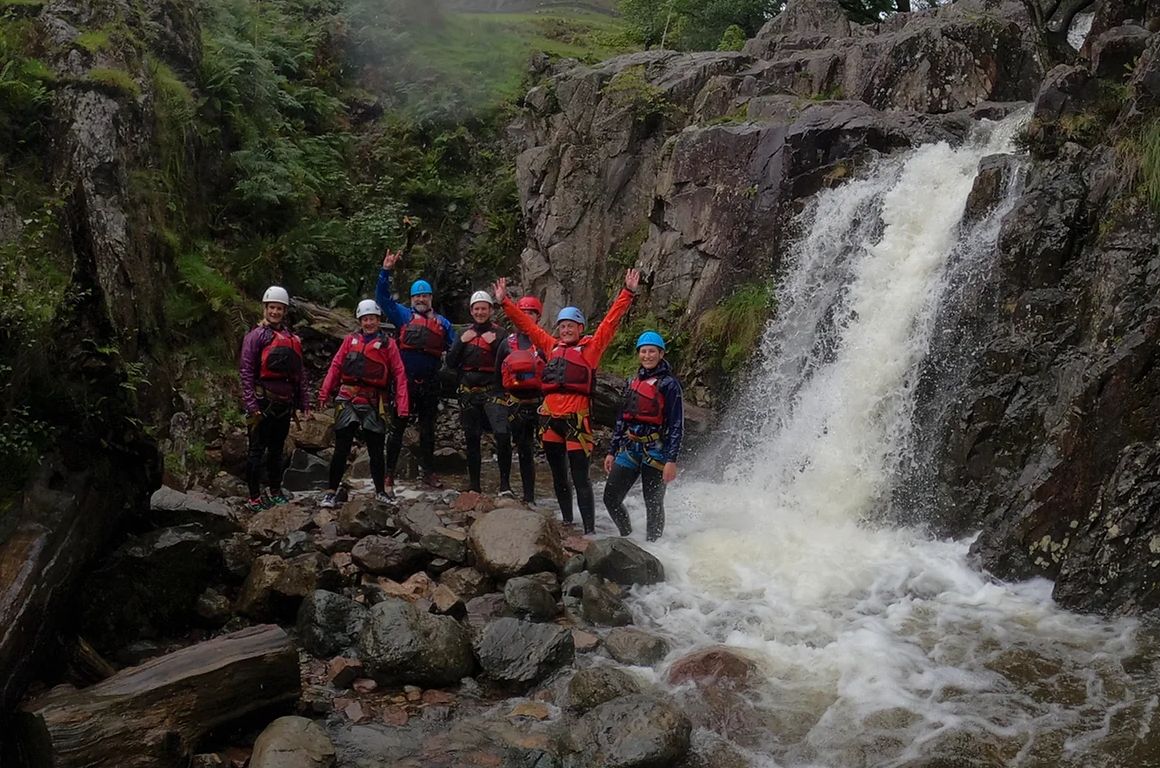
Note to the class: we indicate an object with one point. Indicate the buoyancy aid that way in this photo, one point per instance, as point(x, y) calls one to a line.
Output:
point(282, 357)
point(645, 403)
point(424, 333)
point(478, 354)
point(366, 363)
point(523, 368)
point(568, 371)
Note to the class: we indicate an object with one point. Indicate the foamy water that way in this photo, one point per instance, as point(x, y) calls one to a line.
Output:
point(879, 646)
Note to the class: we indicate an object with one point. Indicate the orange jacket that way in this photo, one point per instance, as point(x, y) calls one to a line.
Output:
point(565, 403)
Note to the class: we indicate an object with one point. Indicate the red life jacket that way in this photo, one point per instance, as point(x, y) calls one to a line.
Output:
point(568, 371)
point(478, 355)
point(423, 334)
point(367, 364)
point(645, 403)
point(282, 357)
point(523, 368)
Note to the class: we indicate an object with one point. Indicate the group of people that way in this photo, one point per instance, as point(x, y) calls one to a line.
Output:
point(519, 386)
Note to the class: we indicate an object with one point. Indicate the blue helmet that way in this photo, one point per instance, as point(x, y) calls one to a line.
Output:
point(571, 313)
point(651, 338)
point(420, 286)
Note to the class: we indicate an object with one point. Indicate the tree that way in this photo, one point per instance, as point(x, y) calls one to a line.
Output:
point(695, 25)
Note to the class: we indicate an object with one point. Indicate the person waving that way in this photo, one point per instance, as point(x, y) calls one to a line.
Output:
point(568, 381)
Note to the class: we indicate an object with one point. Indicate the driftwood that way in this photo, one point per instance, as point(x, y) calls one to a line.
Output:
point(155, 714)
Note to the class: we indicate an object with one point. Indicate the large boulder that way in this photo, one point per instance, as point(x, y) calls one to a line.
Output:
point(387, 556)
point(591, 687)
point(716, 666)
point(293, 742)
point(528, 597)
point(468, 583)
point(621, 561)
point(511, 542)
point(635, 731)
point(278, 522)
point(402, 644)
point(519, 653)
point(633, 646)
point(329, 623)
point(275, 586)
point(602, 604)
point(169, 507)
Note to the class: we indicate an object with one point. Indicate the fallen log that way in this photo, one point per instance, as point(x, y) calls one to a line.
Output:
point(155, 714)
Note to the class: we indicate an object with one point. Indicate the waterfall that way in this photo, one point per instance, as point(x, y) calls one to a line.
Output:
point(878, 645)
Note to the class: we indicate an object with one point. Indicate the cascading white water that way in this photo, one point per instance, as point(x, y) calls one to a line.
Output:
point(879, 646)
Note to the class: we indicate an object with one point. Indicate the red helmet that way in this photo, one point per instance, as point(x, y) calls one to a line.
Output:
point(530, 304)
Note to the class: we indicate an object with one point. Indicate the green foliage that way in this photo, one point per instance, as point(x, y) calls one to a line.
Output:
point(24, 87)
point(115, 81)
point(728, 333)
point(697, 25)
point(94, 40)
point(1138, 155)
point(630, 89)
point(621, 357)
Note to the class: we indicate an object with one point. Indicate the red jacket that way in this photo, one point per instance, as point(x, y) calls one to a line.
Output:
point(367, 395)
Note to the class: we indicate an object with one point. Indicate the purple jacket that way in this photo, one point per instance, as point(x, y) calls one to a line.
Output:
point(250, 365)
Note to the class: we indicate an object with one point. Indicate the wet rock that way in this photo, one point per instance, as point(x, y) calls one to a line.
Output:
point(278, 522)
point(513, 542)
point(514, 652)
point(995, 174)
point(635, 647)
point(168, 507)
point(149, 586)
point(419, 519)
point(306, 472)
point(576, 564)
point(213, 607)
point(293, 742)
point(293, 544)
point(634, 731)
point(315, 434)
point(483, 609)
point(623, 562)
point(584, 641)
point(446, 543)
point(329, 623)
point(574, 585)
point(528, 597)
point(467, 582)
point(401, 644)
point(591, 687)
point(719, 666)
point(237, 555)
point(275, 586)
point(362, 517)
point(446, 602)
point(1114, 53)
point(601, 604)
point(386, 556)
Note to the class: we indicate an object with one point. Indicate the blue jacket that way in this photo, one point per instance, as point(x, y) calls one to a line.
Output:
point(419, 365)
point(672, 431)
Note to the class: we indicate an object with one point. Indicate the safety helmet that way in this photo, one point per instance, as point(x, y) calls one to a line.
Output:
point(570, 313)
point(368, 307)
point(479, 296)
point(420, 286)
point(651, 339)
point(276, 294)
point(531, 304)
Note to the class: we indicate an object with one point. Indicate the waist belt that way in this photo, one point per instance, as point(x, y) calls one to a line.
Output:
point(652, 437)
point(464, 389)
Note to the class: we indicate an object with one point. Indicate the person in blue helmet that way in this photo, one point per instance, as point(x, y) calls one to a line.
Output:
point(647, 440)
point(424, 335)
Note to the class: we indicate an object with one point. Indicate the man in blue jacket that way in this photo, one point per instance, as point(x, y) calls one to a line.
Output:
point(647, 440)
point(424, 335)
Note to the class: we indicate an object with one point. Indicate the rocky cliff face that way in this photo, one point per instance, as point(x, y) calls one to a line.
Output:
point(691, 164)
point(1040, 409)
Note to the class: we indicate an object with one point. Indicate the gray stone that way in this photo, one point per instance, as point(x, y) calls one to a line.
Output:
point(602, 605)
point(623, 562)
point(514, 652)
point(293, 742)
point(168, 507)
point(1114, 53)
point(634, 731)
point(636, 647)
point(528, 597)
point(329, 623)
point(467, 582)
point(401, 644)
point(513, 542)
point(278, 522)
point(386, 556)
point(419, 519)
point(362, 517)
point(446, 543)
point(306, 472)
point(591, 687)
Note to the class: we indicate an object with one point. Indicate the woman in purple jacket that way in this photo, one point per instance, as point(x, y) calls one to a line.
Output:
point(273, 387)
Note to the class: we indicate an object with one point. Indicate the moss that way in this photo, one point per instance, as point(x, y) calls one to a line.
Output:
point(728, 333)
point(1138, 156)
point(115, 81)
point(95, 40)
point(739, 115)
point(630, 89)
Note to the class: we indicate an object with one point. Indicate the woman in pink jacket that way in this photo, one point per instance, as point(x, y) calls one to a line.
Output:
point(362, 371)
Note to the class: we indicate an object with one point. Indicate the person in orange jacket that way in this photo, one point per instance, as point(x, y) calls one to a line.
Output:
point(568, 381)
point(362, 371)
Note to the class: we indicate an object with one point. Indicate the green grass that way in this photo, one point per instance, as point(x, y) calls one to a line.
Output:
point(117, 80)
point(731, 330)
point(95, 40)
point(490, 51)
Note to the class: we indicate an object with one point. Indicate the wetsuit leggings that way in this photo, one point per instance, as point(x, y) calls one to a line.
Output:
point(479, 412)
point(424, 397)
point(344, 440)
point(560, 460)
point(524, 427)
point(267, 440)
point(620, 481)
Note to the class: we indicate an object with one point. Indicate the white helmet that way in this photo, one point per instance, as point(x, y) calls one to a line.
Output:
point(368, 307)
point(276, 294)
point(479, 296)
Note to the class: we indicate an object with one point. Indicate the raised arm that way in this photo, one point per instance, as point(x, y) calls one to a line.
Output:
point(543, 340)
point(396, 312)
point(607, 328)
